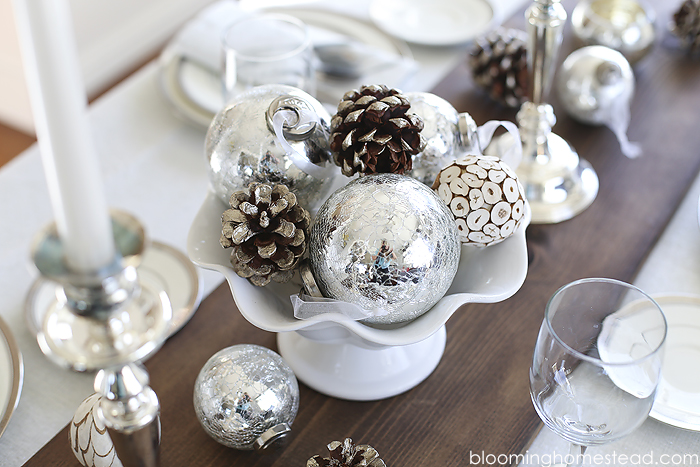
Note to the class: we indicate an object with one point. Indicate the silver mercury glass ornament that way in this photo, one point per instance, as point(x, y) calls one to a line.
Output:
point(623, 25)
point(447, 133)
point(386, 243)
point(115, 321)
point(246, 397)
point(242, 145)
point(595, 85)
point(558, 183)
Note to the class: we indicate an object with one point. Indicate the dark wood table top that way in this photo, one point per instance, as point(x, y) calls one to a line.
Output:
point(477, 399)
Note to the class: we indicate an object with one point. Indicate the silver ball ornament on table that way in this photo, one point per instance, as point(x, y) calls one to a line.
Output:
point(386, 243)
point(447, 133)
point(242, 147)
point(595, 84)
point(623, 25)
point(246, 397)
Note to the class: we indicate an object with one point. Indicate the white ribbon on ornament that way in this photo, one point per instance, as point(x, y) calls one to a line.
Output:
point(289, 117)
point(514, 154)
point(618, 120)
point(307, 307)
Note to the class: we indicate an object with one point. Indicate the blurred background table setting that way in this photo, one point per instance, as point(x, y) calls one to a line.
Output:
point(639, 225)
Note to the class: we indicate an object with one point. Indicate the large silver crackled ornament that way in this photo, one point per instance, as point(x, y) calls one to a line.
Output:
point(242, 145)
point(385, 243)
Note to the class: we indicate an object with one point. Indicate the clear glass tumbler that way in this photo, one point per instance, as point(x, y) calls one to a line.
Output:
point(597, 362)
point(267, 49)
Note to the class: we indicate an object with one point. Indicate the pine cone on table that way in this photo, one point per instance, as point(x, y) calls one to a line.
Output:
point(498, 63)
point(686, 24)
point(346, 454)
point(372, 132)
point(268, 232)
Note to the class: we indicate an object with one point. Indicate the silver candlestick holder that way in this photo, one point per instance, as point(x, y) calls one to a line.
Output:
point(558, 183)
point(109, 321)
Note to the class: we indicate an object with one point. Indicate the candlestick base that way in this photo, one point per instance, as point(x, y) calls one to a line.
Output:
point(106, 318)
point(162, 267)
point(82, 343)
point(558, 183)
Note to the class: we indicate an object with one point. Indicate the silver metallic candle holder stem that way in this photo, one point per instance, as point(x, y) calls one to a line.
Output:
point(131, 411)
point(558, 184)
point(108, 320)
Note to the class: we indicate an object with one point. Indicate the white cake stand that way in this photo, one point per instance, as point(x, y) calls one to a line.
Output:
point(347, 359)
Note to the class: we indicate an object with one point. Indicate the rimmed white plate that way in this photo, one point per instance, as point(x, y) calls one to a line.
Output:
point(195, 90)
point(434, 22)
point(677, 400)
point(162, 268)
point(11, 375)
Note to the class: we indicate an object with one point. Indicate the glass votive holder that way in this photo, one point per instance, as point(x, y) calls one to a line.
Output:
point(267, 49)
point(623, 25)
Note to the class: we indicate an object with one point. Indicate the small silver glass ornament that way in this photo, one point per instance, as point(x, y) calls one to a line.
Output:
point(623, 25)
point(387, 244)
point(447, 133)
point(246, 397)
point(595, 85)
point(271, 134)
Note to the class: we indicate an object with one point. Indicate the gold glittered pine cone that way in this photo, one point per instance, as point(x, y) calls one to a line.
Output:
point(373, 132)
point(347, 454)
point(268, 232)
point(498, 63)
point(686, 25)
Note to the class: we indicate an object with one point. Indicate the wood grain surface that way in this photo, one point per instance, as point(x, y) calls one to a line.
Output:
point(477, 399)
point(12, 142)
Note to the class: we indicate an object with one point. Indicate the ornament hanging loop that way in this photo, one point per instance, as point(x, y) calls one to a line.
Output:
point(301, 121)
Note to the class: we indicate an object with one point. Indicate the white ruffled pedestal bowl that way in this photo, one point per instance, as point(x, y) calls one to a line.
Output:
point(347, 359)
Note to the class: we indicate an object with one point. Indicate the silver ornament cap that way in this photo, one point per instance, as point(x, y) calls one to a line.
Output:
point(241, 145)
point(246, 397)
point(385, 243)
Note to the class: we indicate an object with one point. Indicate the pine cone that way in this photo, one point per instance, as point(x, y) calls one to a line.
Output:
point(498, 62)
point(346, 454)
point(686, 25)
point(373, 133)
point(268, 231)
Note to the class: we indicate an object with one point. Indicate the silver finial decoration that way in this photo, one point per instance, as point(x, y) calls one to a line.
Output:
point(558, 183)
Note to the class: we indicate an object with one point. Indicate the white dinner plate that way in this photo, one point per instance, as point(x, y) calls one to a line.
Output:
point(434, 22)
point(195, 91)
point(11, 373)
point(677, 400)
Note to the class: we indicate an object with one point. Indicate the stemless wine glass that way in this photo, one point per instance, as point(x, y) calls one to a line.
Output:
point(597, 362)
point(267, 49)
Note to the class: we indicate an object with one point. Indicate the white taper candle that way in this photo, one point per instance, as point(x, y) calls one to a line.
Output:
point(59, 106)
